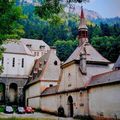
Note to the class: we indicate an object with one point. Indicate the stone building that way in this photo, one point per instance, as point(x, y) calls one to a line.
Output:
point(45, 73)
point(37, 47)
point(88, 84)
point(18, 61)
point(70, 94)
point(104, 98)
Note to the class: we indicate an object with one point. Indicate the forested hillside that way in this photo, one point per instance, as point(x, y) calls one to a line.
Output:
point(61, 31)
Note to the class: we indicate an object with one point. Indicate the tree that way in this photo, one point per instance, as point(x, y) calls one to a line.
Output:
point(9, 16)
point(48, 9)
point(109, 47)
point(9, 22)
point(65, 48)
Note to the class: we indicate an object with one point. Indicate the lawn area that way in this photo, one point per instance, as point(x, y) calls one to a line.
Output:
point(13, 118)
point(1, 108)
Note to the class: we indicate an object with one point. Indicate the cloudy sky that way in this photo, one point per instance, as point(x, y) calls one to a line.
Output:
point(106, 8)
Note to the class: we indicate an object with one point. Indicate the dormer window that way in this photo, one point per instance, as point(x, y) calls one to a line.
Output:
point(45, 62)
point(55, 62)
point(42, 47)
point(35, 53)
point(29, 45)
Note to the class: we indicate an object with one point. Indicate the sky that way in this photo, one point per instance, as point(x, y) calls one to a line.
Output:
point(106, 8)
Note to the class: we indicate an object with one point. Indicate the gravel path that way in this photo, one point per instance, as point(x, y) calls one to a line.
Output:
point(34, 115)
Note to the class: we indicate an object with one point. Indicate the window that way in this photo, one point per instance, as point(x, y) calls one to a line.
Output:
point(45, 61)
point(55, 62)
point(29, 45)
point(83, 34)
point(13, 63)
point(34, 53)
point(2, 60)
point(50, 85)
point(42, 47)
point(37, 53)
point(22, 63)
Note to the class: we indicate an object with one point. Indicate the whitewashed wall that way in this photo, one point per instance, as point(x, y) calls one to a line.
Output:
point(17, 69)
point(49, 104)
point(105, 100)
point(53, 102)
point(33, 91)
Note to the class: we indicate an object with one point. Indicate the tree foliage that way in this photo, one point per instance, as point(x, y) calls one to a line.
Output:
point(9, 16)
point(48, 9)
point(9, 25)
point(62, 29)
point(65, 48)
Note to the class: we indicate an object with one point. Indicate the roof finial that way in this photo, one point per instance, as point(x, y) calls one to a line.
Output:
point(82, 13)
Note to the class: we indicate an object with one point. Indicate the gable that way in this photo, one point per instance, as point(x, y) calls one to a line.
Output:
point(52, 70)
point(92, 55)
point(71, 78)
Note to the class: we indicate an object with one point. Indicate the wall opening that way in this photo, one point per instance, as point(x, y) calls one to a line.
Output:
point(2, 93)
point(70, 106)
point(13, 88)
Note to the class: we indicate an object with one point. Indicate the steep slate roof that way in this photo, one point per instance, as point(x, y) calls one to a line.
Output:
point(117, 64)
point(16, 48)
point(49, 90)
point(35, 43)
point(91, 54)
point(46, 68)
point(105, 78)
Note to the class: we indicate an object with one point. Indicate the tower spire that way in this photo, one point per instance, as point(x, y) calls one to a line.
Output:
point(83, 30)
point(82, 13)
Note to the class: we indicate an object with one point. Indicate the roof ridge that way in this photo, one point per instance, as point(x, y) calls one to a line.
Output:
point(45, 67)
point(98, 75)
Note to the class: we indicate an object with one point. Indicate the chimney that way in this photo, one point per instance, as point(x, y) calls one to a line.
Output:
point(53, 48)
point(82, 65)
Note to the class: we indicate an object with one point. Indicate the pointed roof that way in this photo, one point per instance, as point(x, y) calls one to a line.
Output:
point(45, 66)
point(82, 13)
point(35, 44)
point(92, 55)
point(105, 78)
point(117, 64)
point(82, 20)
point(50, 90)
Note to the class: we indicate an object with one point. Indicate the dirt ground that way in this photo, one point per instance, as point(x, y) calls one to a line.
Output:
point(33, 115)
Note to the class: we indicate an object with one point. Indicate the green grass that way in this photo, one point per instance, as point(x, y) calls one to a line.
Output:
point(1, 109)
point(13, 118)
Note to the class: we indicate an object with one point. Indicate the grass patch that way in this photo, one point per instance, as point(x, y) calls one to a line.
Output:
point(13, 118)
point(1, 109)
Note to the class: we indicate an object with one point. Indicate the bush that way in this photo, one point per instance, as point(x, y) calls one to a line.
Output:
point(1, 108)
point(37, 110)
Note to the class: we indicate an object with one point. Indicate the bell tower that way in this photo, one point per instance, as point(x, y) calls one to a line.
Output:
point(82, 30)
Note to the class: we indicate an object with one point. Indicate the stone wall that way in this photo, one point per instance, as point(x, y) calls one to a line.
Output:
point(19, 83)
point(104, 101)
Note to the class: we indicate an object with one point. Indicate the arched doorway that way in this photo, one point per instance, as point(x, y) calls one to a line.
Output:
point(2, 93)
point(13, 93)
point(61, 111)
point(70, 106)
